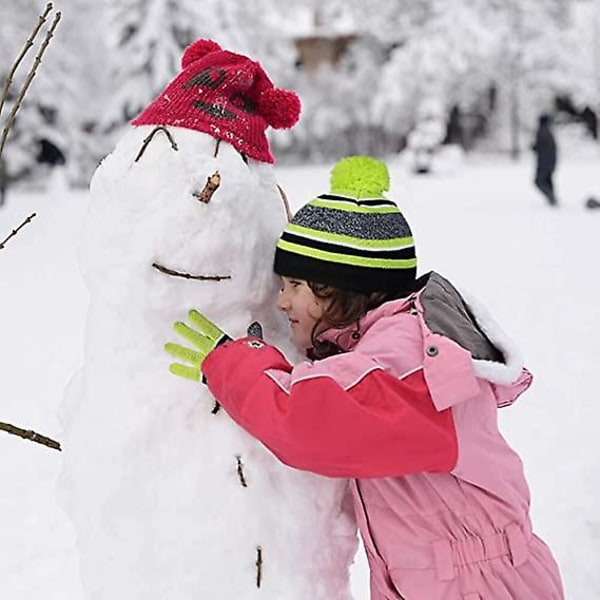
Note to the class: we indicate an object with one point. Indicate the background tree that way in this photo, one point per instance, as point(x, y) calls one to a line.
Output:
point(444, 59)
point(530, 58)
point(498, 63)
point(145, 40)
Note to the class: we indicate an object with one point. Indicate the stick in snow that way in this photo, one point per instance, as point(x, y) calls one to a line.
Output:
point(240, 472)
point(15, 231)
point(28, 434)
point(259, 564)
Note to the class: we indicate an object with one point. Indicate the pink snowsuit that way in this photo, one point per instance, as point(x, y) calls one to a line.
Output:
point(408, 411)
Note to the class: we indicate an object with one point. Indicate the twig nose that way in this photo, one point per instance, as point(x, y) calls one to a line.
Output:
point(210, 187)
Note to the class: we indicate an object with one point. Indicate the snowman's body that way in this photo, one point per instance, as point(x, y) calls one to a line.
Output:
point(171, 501)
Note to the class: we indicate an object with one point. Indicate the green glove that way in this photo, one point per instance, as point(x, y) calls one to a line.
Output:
point(203, 335)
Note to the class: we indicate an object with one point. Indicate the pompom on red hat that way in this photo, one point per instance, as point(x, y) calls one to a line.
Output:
point(226, 95)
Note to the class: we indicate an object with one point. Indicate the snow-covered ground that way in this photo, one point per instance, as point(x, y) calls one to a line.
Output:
point(481, 224)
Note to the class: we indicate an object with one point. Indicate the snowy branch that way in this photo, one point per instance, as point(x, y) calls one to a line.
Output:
point(28, 434)
point(38, 59)
point(15, 231)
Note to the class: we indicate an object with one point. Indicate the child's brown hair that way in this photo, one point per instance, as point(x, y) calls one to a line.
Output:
point(345, 308)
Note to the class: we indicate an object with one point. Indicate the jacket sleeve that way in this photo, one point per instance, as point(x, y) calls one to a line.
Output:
point(373, 426)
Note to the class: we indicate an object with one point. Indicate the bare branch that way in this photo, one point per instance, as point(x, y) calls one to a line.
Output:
point(38, 59)
point(15, 231)
point(9, 76)
point(28, 434)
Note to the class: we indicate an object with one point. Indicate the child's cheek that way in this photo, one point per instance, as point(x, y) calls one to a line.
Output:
point(315, 310)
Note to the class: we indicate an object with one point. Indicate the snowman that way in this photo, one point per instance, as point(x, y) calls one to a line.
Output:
point(169, 498)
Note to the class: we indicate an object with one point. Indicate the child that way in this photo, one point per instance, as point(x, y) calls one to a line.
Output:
point(401, 398)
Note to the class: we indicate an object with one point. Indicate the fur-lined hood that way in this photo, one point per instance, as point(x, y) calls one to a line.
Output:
point(465, 321)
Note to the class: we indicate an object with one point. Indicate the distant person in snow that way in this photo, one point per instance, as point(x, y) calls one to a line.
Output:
point(590, 119)
point(399, 395)
point(545, 150)
point(592, 203)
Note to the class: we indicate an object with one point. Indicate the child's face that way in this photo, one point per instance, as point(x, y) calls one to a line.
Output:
point(302, 307)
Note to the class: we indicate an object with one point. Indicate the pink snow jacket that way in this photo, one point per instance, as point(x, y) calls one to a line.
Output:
point(408, 412)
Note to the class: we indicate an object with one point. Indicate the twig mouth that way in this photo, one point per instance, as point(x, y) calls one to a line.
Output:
point(183, 275)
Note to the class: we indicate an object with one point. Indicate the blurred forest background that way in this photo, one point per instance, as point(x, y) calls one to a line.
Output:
point(370, 73)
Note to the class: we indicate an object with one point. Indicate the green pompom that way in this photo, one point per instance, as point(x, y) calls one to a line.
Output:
point(360, 177)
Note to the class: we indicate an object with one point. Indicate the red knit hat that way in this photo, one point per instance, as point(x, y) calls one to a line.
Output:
point(226, 95)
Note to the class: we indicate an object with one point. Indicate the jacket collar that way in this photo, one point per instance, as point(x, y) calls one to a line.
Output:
point(347, 337)
point(503, 371)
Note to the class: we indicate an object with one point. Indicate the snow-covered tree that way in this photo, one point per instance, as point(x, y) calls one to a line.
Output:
point(146, 39)
point(71, 86)
point(444, 60)
point(337, 102)
point(579, 75)
point(337, 92)
point(116, 55)
point(454, 53)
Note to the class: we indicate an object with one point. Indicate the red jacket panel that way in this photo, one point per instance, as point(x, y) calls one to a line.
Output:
point(380, 426)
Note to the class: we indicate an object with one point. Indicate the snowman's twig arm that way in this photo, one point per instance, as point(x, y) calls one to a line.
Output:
point(240, 471)
point(28, 434)
point(259, 566)
point(15, 231)
point(286, 204)
point(38, 59)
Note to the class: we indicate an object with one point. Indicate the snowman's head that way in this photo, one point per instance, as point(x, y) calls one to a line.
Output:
point(179, 218)
point(187, 203)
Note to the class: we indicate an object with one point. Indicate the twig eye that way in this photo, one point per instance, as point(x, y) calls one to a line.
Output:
point(149, 137)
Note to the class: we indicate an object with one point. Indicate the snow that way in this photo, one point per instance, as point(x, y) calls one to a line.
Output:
point(482, 225)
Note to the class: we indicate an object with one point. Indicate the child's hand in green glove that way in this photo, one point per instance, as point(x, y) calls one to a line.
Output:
point(204, 336)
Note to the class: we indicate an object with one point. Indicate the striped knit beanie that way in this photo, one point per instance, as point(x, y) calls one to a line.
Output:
point(352, 238)
point(226, 95)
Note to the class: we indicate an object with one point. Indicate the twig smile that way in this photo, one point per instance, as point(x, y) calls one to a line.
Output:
point(183, 275)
